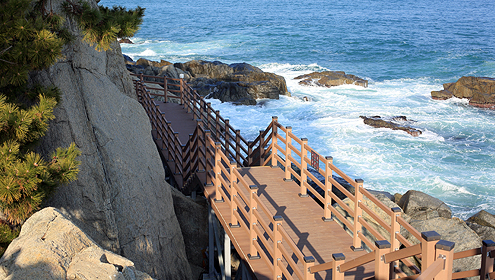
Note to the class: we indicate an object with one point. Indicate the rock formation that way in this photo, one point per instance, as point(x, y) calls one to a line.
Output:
point(483, 223)
point(121, 199)
point(331, 79)
point(396, 123)
point(51, 246)
point(421, 206)
point(239, 83)
point(479, 90)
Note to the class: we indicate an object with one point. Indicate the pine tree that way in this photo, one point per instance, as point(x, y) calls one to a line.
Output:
point(32, 38)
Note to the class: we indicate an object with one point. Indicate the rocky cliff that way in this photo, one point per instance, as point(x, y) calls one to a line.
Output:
point(120, 199)
point(479, 90)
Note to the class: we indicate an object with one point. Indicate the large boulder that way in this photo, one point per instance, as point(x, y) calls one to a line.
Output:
point(121, 199)
point(239, 83)
point(483, 218)
point(479, 90)
point(420, 206)
point(51, 246)
point(395, 123)
point(453, 230)
point(331, 79)
point(484, 232)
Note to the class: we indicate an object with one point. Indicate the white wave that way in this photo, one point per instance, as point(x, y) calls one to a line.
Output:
point(148, 52)
point(450, 188)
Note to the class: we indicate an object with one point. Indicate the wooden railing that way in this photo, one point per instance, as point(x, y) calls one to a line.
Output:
point(218, 149)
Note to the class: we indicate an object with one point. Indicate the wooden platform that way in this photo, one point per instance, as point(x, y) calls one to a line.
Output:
point(302, 221)
point(181, 121)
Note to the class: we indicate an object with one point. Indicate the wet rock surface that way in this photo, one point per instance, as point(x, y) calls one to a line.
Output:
point(394, 123)
point(331, 79)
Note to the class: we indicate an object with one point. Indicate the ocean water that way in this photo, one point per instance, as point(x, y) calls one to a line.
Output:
point(404, 48)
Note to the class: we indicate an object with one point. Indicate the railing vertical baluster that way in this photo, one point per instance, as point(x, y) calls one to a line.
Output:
point(191, 156)
point(234, 223)
point(274, 141)
point(238, 145)
point(181, 91)
point(253, 253)
point(227, 138)
point(358, 196)
point(394, 231)
point(277, 241)
point(217, 124)
point(327, 214)
point(216, 167)
point(338, 260)
point(429, 239)
point(288, 153)
point(303, 192)
point(208, 116)
point(445, 250)
point(487, 263)
point(261, 148)
point(309, 261)
point(199, 145)
point(382, 269)
point(208, 155)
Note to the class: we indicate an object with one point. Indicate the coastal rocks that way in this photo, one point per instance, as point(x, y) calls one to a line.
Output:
point(331, 79)
point(121, 199)
point(239, 83)
point(395, 123)
point(51, 246)
point(483, 223)
point(420, 206)
point(479, 90)
point(453, 230)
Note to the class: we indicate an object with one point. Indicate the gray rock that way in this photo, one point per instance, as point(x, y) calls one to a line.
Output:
point(420, 206)
point(51, 246)
point(193, 221)
point(484, 232)
point(120, 199)
point(483, 218)
point(331, 79)
point(453, 230)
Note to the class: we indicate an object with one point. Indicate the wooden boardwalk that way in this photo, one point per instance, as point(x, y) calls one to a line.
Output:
point(181, 121)
point(301, 219)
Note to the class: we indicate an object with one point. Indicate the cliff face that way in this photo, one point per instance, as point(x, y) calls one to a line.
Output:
point(120, 199)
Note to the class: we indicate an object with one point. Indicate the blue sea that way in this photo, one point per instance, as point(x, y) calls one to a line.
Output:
point(404, 48)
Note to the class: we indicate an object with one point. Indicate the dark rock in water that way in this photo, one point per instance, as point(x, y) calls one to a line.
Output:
point(377, 121)
point(240, 83)
point(479, 90)
point(125, 41)
point(331, 79)
point(421, 206)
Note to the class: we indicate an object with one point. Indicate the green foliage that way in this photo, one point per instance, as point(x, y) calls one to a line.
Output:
point(101, 26)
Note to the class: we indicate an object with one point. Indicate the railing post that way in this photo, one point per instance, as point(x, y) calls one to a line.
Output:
point(274, 141)
point(338, 260)
point(253, 253)
point(487, 262)
point(429, 239)
point(327, 214)
point(208, 116)
point(309, 261)
point(394, 231)
point(181, 91)
point(165, 89)
point(304, 166)
point(227, 137)
point(261, 148)
point(238, 145)
point(234, 223)
point(200, 145)
point(216, 167)
point(208, 169)
point(382, 269)
point(358, 196)
point(250, 153)
point(288, 153)
point(445, 250)
point(277, 272)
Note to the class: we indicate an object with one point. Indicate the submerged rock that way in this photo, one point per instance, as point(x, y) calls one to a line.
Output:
point(393, 123)
point(479, 90)
point(331, 79)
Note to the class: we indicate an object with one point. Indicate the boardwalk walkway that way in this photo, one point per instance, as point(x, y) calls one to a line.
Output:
point(282, 206)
